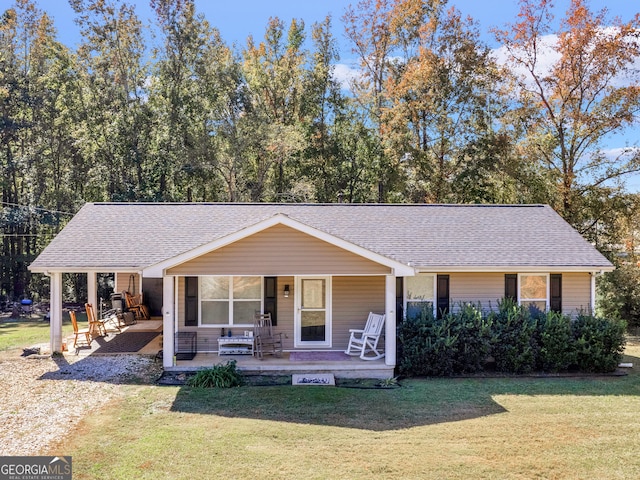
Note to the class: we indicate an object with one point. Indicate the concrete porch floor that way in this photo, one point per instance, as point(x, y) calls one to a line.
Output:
point(152, 348)
point(270, 365)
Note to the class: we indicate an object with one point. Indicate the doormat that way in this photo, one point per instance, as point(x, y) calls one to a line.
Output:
point(319, 357)
point(127, 342)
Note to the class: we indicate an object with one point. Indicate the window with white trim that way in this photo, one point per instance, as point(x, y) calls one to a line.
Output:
point(227, 300)
point(419, 295)
point(534, 290)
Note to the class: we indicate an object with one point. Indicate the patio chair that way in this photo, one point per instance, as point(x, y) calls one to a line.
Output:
point(134, 304)
point(79, 331)
point(364, 342)
point(96, 327)
point(267, 342)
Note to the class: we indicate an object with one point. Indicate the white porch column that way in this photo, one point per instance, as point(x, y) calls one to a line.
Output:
point(55, 311)
point(92, 290)
point(168, 321)
point(593, 293)
point(390, 321)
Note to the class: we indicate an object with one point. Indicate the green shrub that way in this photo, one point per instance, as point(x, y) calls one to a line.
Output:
point(218, 376)
point(514, 338)
point(598, 342)
point(519, 339)
point(456, 343)
point(474, 332)
point(423, 346)
point(557, 351)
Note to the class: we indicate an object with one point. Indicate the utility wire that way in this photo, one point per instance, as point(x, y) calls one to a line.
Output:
point(36, 208)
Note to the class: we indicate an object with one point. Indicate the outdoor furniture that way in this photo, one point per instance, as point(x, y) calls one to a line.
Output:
point(235, 345)
point(267, 342)
point(135, 305)
point(366, 340)
point(113, 319)
point(96, 327)
point(79, 331)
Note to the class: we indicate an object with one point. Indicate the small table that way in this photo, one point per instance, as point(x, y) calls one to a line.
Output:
point(235, 346)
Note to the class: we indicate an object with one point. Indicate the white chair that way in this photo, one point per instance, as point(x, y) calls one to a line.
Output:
point(366, 340)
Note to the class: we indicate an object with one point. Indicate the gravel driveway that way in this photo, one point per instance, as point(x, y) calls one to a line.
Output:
point(44, 398)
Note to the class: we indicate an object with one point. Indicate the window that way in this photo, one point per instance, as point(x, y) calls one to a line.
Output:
point(420, 295)
point(229, 300)
point(534, 290)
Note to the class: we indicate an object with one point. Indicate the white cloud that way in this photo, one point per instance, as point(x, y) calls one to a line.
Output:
point(345, 73)
point(548, 55)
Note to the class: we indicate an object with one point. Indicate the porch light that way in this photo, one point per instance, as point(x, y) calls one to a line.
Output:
point(286, 291)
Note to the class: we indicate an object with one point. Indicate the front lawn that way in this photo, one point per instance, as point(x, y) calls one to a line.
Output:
point(565, 428)
point(24, 332)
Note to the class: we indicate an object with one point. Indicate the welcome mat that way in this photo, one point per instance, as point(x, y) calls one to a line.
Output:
point(318, 357)
point(313, 379)
point(127, 342)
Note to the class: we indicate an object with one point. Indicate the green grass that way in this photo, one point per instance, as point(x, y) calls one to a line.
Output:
point(27, 331)
point(520, 428)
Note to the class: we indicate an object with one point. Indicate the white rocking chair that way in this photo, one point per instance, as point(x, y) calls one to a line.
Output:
point(366, 341)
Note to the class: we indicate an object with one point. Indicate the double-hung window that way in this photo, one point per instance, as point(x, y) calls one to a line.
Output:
point(534, 290)
point(229, 300)
point(420, 295)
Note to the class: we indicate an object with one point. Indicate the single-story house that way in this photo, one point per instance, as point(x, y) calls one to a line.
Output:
point(319, 268)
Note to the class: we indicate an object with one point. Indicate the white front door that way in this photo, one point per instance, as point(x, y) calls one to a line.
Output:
point(313, 312)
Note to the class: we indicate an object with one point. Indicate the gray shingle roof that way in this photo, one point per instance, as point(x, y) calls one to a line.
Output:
point(137, 235)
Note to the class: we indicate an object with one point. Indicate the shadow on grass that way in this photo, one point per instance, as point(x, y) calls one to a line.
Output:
point(419, 402)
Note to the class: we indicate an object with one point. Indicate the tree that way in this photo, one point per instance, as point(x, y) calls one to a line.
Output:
point(442, 100)
point(368, 26)
point(275, 71)
point(574, 88)
point(36, 149)
point(429, 86)
point(114, 117)
point(197, 93)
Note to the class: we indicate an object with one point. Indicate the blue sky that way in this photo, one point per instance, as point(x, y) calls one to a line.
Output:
point(238, 19)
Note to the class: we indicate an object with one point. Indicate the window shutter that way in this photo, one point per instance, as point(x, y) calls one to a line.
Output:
point(271, 298)
point(399, 300)
point(191, 301)
point(442, 300)
point(556, 292)
point(511, 286)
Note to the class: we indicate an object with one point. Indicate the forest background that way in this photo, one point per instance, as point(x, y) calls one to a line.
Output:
point(433, 115)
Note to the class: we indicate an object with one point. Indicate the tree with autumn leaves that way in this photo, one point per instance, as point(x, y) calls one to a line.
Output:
point(572, 89)
point(434, 115)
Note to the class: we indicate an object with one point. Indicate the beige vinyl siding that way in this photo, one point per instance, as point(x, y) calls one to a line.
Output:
point(483, 288)
point(122, 281)
point(576, 293)
point(353, 299)
point(488, 288)
point(285, 311)
point(279, 250)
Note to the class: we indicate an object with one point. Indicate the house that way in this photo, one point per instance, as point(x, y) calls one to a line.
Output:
point(320, 269)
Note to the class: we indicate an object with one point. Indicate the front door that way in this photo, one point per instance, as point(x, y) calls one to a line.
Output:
point(313, 312)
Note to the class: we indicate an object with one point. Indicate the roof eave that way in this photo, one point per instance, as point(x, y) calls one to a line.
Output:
point(515, 268)
point(106, 269)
